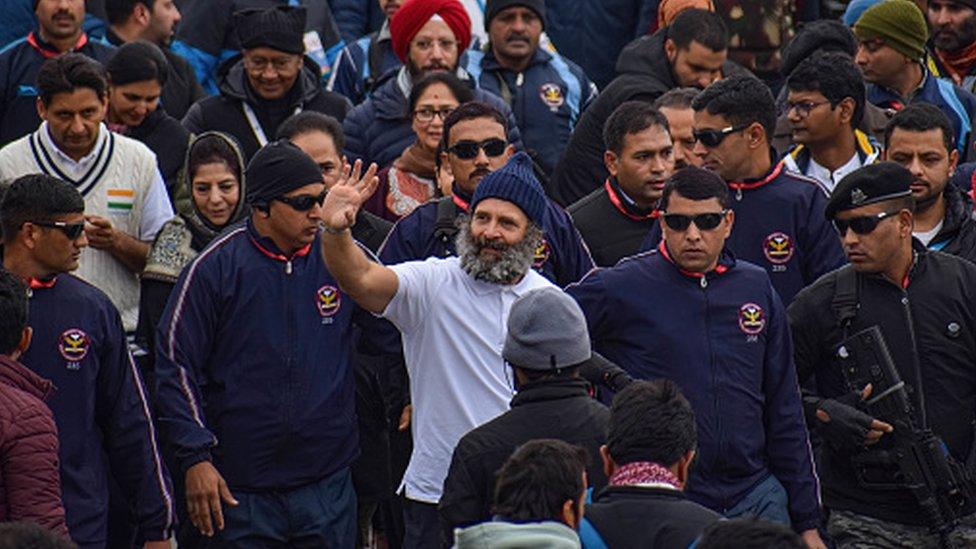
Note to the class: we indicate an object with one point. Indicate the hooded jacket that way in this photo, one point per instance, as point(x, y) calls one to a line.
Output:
point(30, 486)
point(226, 113)
point(958, 234)
point(523, 535)
point(797, 159)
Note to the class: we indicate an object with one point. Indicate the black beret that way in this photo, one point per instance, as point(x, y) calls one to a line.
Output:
point(280, 28)
point(277, 169)
point(870, 184)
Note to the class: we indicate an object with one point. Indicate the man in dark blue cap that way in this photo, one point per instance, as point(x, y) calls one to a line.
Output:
point(923, 303)
point(256, 392)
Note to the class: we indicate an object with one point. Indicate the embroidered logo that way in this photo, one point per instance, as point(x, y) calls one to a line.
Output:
point(328, 300)
point(552, 95)
point(752, 319)
point(778, 248)
point(73, 346)
point(120, 201)
point(542, 253)
point(858, 196)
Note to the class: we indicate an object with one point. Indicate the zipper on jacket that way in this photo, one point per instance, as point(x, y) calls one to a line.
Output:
point(738, 194)
point(288, 267)
point(711, 365)
point(703, 282)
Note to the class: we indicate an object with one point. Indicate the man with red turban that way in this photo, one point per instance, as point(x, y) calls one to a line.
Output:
point(428, 36)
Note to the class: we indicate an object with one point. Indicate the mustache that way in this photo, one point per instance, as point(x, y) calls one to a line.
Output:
point(517, 37)
point(63, 15)
point(480, 172)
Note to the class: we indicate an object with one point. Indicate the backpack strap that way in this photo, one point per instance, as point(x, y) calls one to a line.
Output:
point(445, 228)
point(845, 301)
point(374, 59)
point(589, 537)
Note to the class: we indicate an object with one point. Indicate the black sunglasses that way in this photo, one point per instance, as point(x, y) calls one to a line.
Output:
point(303, 202)
point(70, 230)
point(861, 225)
point(714, 138)
point(705, 221)
point(466, 150)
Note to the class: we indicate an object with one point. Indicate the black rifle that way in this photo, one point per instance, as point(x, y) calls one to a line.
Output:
point(908, 457)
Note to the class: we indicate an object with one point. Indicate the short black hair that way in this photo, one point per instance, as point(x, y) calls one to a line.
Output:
point(118, 11)
point(628, 118)
point(742, 100)
point(922, 117)
point(696, 184)
point(538, 479)
point(835, 76)
point(651, 421)
point(676, 98)
point(13, 311)
point(471, 111)
point(68, 72)
point(459, 89)
point(749, 533)
point(137, 62)
point(702, 26)
point(311, 121)
point(37, 197)
point(213, 148)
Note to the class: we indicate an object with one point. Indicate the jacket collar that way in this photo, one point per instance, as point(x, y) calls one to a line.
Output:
point(958, 210)
point(269, 249)
point(867, 149)
point(623, 203)
point(887, 98)
point(232, 81)
point(550, 389)
point(490, 63)
point(17, 375)
point(750, 184)
point(460, 198)
point(725, 262)
point(47, 50)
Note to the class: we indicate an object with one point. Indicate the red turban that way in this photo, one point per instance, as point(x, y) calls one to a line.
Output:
point(414, 14)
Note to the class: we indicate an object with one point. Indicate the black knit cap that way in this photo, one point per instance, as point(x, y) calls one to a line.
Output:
point(277, 169)
point(823, 34)
point(495, 6)
point(870, 184)
point(280, 28)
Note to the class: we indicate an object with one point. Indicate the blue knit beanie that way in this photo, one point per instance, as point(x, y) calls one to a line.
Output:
point(516, 183)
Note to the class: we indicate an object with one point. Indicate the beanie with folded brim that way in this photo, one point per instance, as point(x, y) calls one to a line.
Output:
point(514, 182)
point(281, 28)
point(494, 7)
point(899, 23)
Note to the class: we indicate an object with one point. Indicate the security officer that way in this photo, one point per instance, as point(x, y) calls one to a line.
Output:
point(922, 301)
point(546, 92)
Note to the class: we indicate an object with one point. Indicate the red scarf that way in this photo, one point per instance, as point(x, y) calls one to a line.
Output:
point(644, 472)
point(958, 64)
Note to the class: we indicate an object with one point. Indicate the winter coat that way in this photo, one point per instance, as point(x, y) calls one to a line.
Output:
point(611, 225)
point(165, 137)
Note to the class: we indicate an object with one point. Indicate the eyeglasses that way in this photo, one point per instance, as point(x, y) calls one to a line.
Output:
point(70, 230)
point(704, 222)
point(427, 45)
point(427, 115)
point(714, 138)
point(259, 64)
point(803, 108)
point(861, 225)
point(303, 202)
point(466, 150)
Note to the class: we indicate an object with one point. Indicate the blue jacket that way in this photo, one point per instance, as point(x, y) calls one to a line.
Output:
point(101, 410)
point(19, 19)
point(547, 98)
point(361, 64)
point(957, 104)
point(723, 338)
point(563, 258)
point(356, 18)
point(780, 226)
point(252, 365)
point(20, 62)
point(206, 37)
point(379, 129)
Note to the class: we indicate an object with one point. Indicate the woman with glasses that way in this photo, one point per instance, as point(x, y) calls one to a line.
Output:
point(414, 177)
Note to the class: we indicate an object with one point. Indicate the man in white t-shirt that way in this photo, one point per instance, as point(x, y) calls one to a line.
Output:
point(125, 197)
point(452, 315)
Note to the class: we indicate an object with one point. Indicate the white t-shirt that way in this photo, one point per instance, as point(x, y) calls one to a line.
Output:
point(453, 330)
point(926, 236)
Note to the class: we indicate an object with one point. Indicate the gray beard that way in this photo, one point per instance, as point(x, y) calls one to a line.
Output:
point(507, 268)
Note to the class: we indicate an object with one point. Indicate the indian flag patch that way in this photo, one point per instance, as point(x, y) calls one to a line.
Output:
point(121, 200)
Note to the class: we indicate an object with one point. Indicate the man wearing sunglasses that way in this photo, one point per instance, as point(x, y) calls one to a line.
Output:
point(824, 107)
point(923, 302)
point(100, 405)
point(473, 146)
point(691, 312)
point(779, 223)
point(255, 387)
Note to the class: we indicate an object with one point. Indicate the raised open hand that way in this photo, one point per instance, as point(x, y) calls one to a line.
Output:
point(347, 195)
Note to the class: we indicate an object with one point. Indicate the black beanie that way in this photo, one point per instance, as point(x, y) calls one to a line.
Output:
point(495, 6)
point(277, 169)
point(137, 62)
point(281, 28)
point(825, 35)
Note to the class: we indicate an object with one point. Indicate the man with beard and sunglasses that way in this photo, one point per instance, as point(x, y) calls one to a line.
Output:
point(691, 312)
point(451, 314)
point(780, 224)
point(952, 46)
point(428, 36)
point(923, 303)
point(254, 383)
point(58, 31)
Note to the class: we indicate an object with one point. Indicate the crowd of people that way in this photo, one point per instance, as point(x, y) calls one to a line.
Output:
point(515, 273)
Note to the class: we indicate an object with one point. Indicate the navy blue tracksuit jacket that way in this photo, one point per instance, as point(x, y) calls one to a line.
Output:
point(780, 226)
point(252, 365)
point(101, 410)
point(723, 338)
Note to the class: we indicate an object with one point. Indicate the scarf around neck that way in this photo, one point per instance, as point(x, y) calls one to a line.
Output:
point(645, 473)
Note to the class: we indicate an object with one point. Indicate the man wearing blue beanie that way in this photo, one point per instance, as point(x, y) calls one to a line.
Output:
point(452, 315)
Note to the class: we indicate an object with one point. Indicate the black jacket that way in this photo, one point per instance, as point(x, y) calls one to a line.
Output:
point(930, 329)
point(632, 517)
point(611, 226)
point(164, 136)
point(560, 409)
point(224, 112)
point(958, 233)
